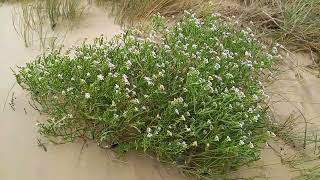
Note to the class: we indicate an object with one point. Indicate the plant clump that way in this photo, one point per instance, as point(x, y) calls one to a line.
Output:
point(189, 94)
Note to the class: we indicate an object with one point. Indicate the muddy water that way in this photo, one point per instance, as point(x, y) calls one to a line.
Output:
point(20, 155)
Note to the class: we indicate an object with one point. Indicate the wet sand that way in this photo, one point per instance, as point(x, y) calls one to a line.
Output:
point(22, 158)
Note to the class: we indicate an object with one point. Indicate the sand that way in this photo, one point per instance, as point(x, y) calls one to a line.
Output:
point(20, 155)
point(296, 87)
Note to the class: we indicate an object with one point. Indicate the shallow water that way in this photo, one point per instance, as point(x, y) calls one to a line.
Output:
point(20, 155)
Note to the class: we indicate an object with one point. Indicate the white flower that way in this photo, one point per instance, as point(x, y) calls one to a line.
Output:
point(87, 95)
point(187, 128)
point(133, 93)
point(125, 79)
point(274, 50)
point(241, 124)
point(269, 133)
point(228, 139)
point(241, 142)
point(100, 77)
point(154, 76)
point(88, 74)
point(116, 116)
point(187, 113)
point(248, 54)
point(208, 145)
point(216, 138)
point(176, 111)
point(60, 76)
point(148, 80)
point(135, 101)
point(184, 144)
point(129, 63)
point(161, 74)
point(111, 66)
point(63, 92)
point(177, 101)
point(229, 75)
point(183, 118)
point(217, 66)
point(148, 130)
point(251, 145)
point(169, 133)
point(161, 87)
point(69, 89)
point(195, 143)
point(149, 135)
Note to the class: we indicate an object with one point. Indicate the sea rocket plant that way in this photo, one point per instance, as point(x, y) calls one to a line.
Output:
point(189, 94)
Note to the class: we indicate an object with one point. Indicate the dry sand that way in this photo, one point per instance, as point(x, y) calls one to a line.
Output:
point(21, 158)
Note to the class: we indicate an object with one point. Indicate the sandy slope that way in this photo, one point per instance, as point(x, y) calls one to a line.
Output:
point(21, 158)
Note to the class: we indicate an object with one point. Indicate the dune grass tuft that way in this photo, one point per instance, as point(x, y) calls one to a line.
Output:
point(295, 23)
point(36, 20)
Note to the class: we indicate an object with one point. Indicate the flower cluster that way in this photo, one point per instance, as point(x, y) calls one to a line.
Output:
point(190, 93)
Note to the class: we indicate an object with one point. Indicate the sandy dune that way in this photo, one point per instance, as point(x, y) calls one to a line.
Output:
point(22, 158)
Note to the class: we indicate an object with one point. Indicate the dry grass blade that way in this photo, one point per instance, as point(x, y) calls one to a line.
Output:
point(35, 21)
point(295, 23)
